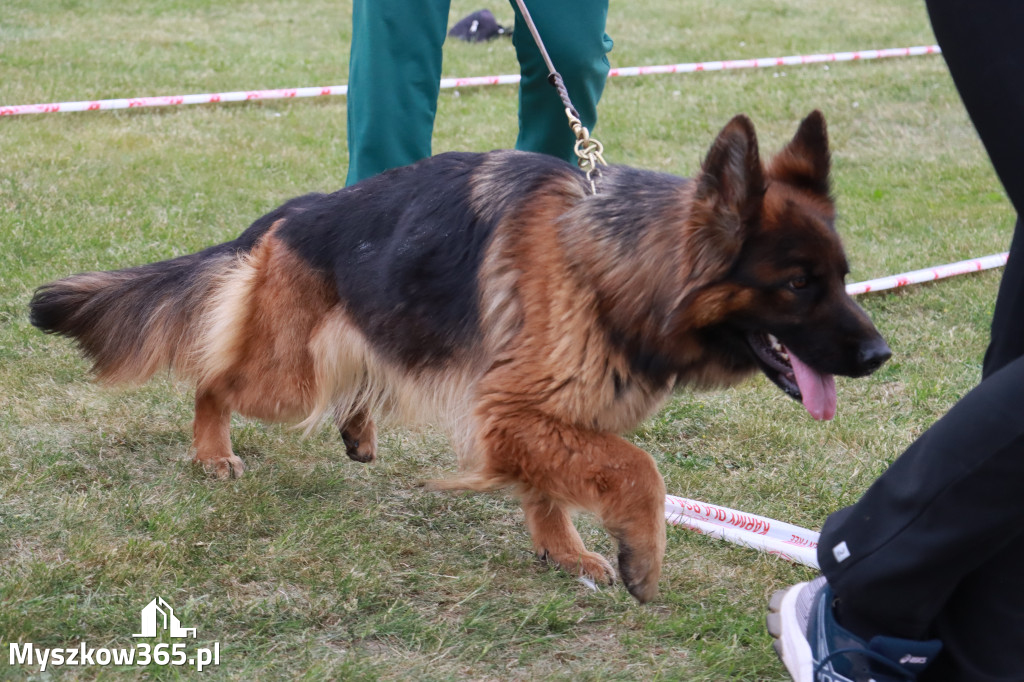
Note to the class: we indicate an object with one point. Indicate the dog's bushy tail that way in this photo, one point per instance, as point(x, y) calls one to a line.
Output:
point(134, 322)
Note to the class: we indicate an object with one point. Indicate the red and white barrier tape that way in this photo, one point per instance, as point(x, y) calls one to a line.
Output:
point(288, 93)
point(764, 62)
point(790, 542)
point(171, 100)
point(929, 274)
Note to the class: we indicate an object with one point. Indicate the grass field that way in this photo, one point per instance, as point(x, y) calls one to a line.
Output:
point(314, 567)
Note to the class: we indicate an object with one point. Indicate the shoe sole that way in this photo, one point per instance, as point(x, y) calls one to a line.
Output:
point(790, 641)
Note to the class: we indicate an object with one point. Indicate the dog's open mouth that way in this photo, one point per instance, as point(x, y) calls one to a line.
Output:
point(815, 389)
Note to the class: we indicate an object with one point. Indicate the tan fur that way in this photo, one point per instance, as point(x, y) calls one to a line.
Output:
point(355, 384)
point(260, 362)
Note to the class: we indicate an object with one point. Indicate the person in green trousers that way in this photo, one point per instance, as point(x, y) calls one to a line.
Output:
point(395, 72)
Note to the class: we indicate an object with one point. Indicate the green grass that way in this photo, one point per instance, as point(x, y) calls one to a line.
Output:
point(314, 567)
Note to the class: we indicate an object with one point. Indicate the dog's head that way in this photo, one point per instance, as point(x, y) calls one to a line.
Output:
point(774, 267)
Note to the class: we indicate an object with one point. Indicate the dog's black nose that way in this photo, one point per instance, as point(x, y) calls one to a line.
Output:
point(873, 355)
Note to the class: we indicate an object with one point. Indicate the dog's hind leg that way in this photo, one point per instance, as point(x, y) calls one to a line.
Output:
point(555, 538)
point(211, 439)
point(359, 434)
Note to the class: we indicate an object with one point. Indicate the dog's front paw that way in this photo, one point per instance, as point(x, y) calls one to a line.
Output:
point(640, 572)
point(586, 564)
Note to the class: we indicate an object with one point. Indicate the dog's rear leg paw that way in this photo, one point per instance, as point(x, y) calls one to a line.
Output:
point(586, 564)
point(359, 450)
point(223, 468)
point(359, 433)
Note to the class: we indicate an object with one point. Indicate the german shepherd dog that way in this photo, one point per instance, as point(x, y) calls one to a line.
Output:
point(496, 295)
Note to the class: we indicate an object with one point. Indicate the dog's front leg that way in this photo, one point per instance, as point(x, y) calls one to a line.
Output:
point(566, 467)
point(556, 539)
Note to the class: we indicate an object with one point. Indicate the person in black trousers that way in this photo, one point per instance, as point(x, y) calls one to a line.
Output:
point(923, 578)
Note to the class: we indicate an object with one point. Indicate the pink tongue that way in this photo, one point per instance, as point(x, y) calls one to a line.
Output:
point(818, 390)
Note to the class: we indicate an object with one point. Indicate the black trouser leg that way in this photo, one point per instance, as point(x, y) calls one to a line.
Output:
point(947, 506)
point(993, 597)
point(935, 548)
point(1007, 340)
point(981, 42)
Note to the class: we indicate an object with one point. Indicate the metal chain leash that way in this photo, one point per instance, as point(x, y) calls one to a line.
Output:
point(589, 151)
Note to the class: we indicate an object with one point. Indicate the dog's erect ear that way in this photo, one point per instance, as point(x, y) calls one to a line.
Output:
point(805, 161)
point(730, 191)
point(732, 176)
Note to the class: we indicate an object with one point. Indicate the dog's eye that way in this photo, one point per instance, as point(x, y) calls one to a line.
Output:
point(798, 282)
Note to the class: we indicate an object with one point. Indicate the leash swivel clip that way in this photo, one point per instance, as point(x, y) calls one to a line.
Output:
point(589, 151)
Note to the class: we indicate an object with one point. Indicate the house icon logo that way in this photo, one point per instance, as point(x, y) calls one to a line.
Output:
point(158, 615)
